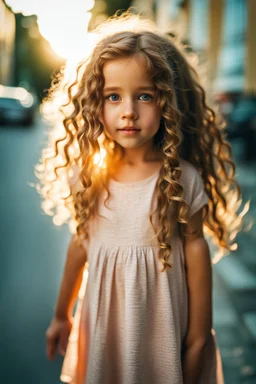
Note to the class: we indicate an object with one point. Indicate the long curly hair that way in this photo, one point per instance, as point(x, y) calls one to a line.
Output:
point(189, 129)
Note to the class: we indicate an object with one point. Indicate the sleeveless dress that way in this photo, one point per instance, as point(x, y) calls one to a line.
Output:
point(131, 319)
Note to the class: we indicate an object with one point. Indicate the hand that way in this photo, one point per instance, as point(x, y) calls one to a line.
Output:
point(57, 335)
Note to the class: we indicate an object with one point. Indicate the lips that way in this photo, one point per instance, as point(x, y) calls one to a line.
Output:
point(129, 129)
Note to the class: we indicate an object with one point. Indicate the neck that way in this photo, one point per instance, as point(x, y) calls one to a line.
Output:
point(137, 156)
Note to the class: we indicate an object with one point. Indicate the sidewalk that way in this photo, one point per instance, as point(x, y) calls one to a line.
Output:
point(234, 296)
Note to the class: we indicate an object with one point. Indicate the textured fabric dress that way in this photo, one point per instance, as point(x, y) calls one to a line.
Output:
point(131, 318)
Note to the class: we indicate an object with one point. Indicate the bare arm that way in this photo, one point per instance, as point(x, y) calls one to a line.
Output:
point(71, 280)
point(59, 329)
point(199, 280)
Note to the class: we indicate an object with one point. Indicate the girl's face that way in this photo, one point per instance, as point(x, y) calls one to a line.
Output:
point(130, 100)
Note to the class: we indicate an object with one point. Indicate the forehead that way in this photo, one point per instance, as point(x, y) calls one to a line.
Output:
point(127, 70)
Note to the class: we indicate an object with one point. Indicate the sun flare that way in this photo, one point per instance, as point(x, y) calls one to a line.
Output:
point(66, 22)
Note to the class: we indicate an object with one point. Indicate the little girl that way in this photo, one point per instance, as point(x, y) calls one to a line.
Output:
point(144, 314)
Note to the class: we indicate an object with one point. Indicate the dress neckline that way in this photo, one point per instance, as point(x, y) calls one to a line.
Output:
point(136, 183)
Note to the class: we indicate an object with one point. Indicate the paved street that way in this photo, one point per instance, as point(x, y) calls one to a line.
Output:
point(32, 259)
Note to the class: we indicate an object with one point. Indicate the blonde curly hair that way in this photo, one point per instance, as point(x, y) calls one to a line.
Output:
point(189, 129)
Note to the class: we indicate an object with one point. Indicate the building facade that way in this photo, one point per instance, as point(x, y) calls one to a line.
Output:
point(7, 45)
point(223, 31)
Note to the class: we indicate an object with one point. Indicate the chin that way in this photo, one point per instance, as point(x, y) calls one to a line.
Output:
point(130, 146)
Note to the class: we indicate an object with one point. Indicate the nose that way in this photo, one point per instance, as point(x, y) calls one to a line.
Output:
point(129, 110)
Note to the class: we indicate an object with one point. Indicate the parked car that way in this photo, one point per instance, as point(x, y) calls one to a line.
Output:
point(17, 105)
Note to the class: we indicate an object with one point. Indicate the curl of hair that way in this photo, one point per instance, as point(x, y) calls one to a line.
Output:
point(189, 129)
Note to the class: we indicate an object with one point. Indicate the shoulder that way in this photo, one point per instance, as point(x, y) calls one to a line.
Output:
point(190, 174)
point(193, 187)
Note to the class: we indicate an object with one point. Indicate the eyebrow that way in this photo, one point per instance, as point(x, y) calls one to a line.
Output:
point(146, 87)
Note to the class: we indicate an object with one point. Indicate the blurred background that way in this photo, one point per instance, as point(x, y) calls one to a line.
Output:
point(36, 39)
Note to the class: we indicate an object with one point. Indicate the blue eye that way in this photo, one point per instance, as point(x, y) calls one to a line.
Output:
point(146, 97)
point(113, 97)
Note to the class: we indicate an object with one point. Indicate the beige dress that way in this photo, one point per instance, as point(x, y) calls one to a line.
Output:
point(131, 318)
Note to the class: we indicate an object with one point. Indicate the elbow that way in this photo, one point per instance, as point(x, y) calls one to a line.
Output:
point(199, 343)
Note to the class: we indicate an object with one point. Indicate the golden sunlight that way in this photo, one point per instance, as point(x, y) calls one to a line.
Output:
point(99, 158)
point(65, 26)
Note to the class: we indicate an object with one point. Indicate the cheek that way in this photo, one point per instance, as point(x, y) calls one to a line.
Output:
point(107, 116)
point(153, 120)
